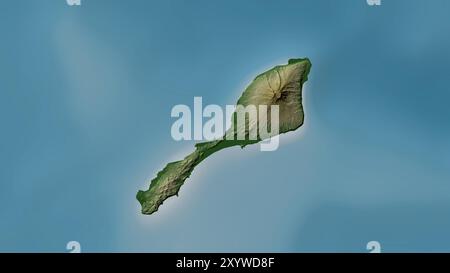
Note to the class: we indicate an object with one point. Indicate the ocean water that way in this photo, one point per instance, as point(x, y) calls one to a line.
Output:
point(85, 100)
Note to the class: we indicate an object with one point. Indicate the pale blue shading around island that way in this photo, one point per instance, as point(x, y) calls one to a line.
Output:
point(85, 99)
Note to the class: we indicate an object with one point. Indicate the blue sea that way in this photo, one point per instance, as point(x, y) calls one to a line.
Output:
point(85, 99)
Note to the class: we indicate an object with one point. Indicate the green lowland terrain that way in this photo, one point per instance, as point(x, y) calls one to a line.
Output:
point(281, 85)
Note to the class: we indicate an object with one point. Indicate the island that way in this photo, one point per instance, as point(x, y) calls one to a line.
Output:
point(280, 86)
